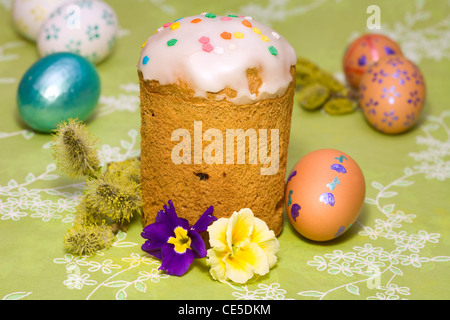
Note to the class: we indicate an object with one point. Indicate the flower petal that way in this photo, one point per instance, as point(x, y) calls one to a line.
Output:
point(157, 235)
point(168, 216)
point(218, 234)
point(157, 232)
point(174, 263)
point(215, 259)
point(240, 227)
point(197, 245)
point(152, 249)
point(266, 240)
point(237, 270)
point(205, 220)
point(245, 262)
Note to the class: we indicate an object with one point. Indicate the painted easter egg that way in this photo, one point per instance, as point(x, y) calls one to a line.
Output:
point(88, 28)
point(58, 87)
point(324, 194)
point(392, 94)
point(29, 15)
point(364, 51)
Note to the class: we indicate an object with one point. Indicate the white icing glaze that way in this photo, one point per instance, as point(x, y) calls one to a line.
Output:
point(201, 55)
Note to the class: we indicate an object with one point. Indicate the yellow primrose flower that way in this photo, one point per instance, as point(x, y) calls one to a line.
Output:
point(241, 246)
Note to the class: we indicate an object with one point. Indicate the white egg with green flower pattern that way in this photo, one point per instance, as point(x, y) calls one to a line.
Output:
point(29, 15)
point(85, 27)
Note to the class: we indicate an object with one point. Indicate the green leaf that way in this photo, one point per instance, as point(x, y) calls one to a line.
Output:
point(121, 295)
point(433, 118)
point(403, 183)
point(60, 260)
point(408, 171)
point(12, 183)
point(16, 295)
point(132, 133)
point(377, 185)
point(124, 244)
point(440, 259)
point(125, 144)
point(370, 201)
point(140, 286)
point(117, 284)
point(352, 289)
point(311, 294)
point(236, 287)
point(51, 167)
point(49, 177)
point(396, 270)
point(388, 208)
point(432, 127)
point(121, 235)
point(388, 194)
point(30, 177)
point(52, 192)
point(27, 134)
point(134, 153)
point(333, 271)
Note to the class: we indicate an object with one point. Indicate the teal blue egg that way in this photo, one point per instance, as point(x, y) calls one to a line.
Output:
point(58, 87)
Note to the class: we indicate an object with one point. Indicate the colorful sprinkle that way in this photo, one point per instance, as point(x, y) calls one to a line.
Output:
point(168, 24)
point(238, 35)
point(226, 35)
point(218, 50)
point(197, 20)
point(256, 30)
point(203, 40)
point(171, 42)
point(143, 45)
point(175, 25)
point(264, 38)
point(210, 15)
point(232, 15)
point(145, 60)
point(276, 35)
point(273, 50)
point(207, 47)
point(246, 23)
point(225, 18)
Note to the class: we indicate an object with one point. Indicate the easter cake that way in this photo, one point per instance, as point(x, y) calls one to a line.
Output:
point(216, 98)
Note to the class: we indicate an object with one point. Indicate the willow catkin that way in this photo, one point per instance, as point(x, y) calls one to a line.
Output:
point(74, 150)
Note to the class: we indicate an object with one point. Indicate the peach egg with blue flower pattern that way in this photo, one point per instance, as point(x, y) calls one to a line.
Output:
point(392, 94)
point(363, 52)
point(325, 193)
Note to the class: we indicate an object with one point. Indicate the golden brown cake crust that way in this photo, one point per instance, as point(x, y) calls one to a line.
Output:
point(195, 187)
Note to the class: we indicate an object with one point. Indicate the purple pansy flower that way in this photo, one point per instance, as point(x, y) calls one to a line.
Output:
point(171, 239)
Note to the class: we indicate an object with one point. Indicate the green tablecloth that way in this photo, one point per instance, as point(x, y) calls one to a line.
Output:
point(402, 232)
